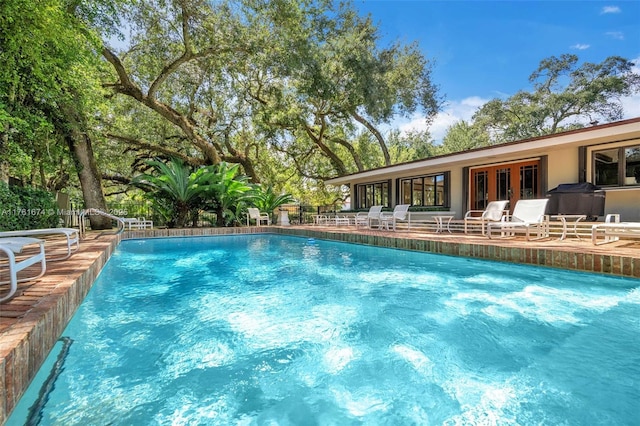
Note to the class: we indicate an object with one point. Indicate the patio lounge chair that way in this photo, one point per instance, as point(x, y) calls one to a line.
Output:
point(137, 223)
point(612, 229)
point(527, 215)
point(255, 214)
point(71, 236)
point(494, 212)
point(365, 219)
point(12, 246)
point(399, 213)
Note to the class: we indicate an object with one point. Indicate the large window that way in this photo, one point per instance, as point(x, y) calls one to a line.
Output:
point(372, 194)
point(617, 166)
point(427, 191)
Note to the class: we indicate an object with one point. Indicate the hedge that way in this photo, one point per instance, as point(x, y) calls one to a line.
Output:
point(26, 208)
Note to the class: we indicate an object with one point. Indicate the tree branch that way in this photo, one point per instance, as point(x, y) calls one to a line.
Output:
point(158, 149)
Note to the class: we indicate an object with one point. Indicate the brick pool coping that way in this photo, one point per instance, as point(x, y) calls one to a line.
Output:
point(32, 322)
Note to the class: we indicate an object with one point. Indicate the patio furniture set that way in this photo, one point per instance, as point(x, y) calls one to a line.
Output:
point(20, 250)
point(528, 218)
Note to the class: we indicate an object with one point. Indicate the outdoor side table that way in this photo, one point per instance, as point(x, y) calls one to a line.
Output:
point(320, 219)
point(342, 220)
point(440, 218)
point(575, 218)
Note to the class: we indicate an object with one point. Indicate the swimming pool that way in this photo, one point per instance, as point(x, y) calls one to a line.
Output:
point(266, 329)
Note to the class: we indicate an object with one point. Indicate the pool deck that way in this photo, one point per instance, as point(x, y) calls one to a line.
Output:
point(32, 321)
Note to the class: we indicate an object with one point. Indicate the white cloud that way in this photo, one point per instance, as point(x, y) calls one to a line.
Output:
point(631, 104)
point(452, 112)
point(610, 9)
point(455, 111)
point(580, 46)
point(618, 35)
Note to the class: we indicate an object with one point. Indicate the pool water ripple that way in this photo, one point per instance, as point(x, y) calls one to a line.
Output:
point(265, 329)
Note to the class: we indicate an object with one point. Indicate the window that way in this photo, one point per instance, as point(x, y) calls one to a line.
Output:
point(632, 165)
point(617, 166)
point(481, 189)
point(372, 194)
point(427, 191)
point(529, 182)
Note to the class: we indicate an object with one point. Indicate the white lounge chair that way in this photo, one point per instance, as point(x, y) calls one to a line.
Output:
point(494, 212)
point(137, 223)
point(612, 229)
point(71, 236)
point(399, 213)
point(527, 215)
point(255, 214)
point(12, 246)
point(365, 219)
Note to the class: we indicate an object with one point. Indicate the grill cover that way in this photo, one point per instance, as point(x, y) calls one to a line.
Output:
point(577, 198)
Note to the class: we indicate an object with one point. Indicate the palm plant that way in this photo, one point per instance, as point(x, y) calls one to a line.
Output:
point(226, 192)
point(175, 188)
point(267, 200)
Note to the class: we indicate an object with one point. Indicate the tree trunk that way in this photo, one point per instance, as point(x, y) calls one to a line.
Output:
point(82, 152)
point(219, 216)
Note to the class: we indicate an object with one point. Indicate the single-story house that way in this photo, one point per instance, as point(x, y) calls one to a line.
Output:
point(606, 155)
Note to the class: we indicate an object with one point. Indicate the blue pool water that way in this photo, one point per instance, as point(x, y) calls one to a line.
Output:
point(272, 330)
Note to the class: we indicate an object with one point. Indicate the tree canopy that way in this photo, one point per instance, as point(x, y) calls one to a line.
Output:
point(285, 93)
point(243, 80)
point(566, 95)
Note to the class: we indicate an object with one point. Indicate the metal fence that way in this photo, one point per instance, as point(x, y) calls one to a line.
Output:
point(303, 214)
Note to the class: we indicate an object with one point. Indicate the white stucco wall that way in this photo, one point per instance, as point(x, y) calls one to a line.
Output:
point(562, 167)
point(457, 195)
point(626, 202)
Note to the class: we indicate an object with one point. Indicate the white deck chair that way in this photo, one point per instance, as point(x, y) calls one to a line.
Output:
point(137, 223)
point(527, 215)
point(12, 246)
point(71, 236)
point(494, 212)
point(255, 214)
point(399, 213)
point(612, 229)
point(365, 219)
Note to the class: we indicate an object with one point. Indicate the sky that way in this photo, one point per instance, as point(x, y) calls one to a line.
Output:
point(481, 50)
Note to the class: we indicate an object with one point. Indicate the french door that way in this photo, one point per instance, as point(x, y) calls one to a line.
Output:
point(513, 182)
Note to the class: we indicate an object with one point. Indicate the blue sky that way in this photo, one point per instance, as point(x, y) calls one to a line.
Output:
point(487, 49)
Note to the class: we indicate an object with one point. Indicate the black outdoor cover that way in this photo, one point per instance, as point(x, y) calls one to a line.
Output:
point(576, 198)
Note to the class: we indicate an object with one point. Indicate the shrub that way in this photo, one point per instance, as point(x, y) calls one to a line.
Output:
point(26, 208)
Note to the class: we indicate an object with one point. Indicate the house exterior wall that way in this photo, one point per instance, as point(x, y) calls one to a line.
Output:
point(561, 162)
point(457, 194)
point(562, 167)
point(625, 202)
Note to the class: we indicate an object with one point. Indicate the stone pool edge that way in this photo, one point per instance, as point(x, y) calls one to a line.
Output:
point(26, 344)
point(529, 254)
